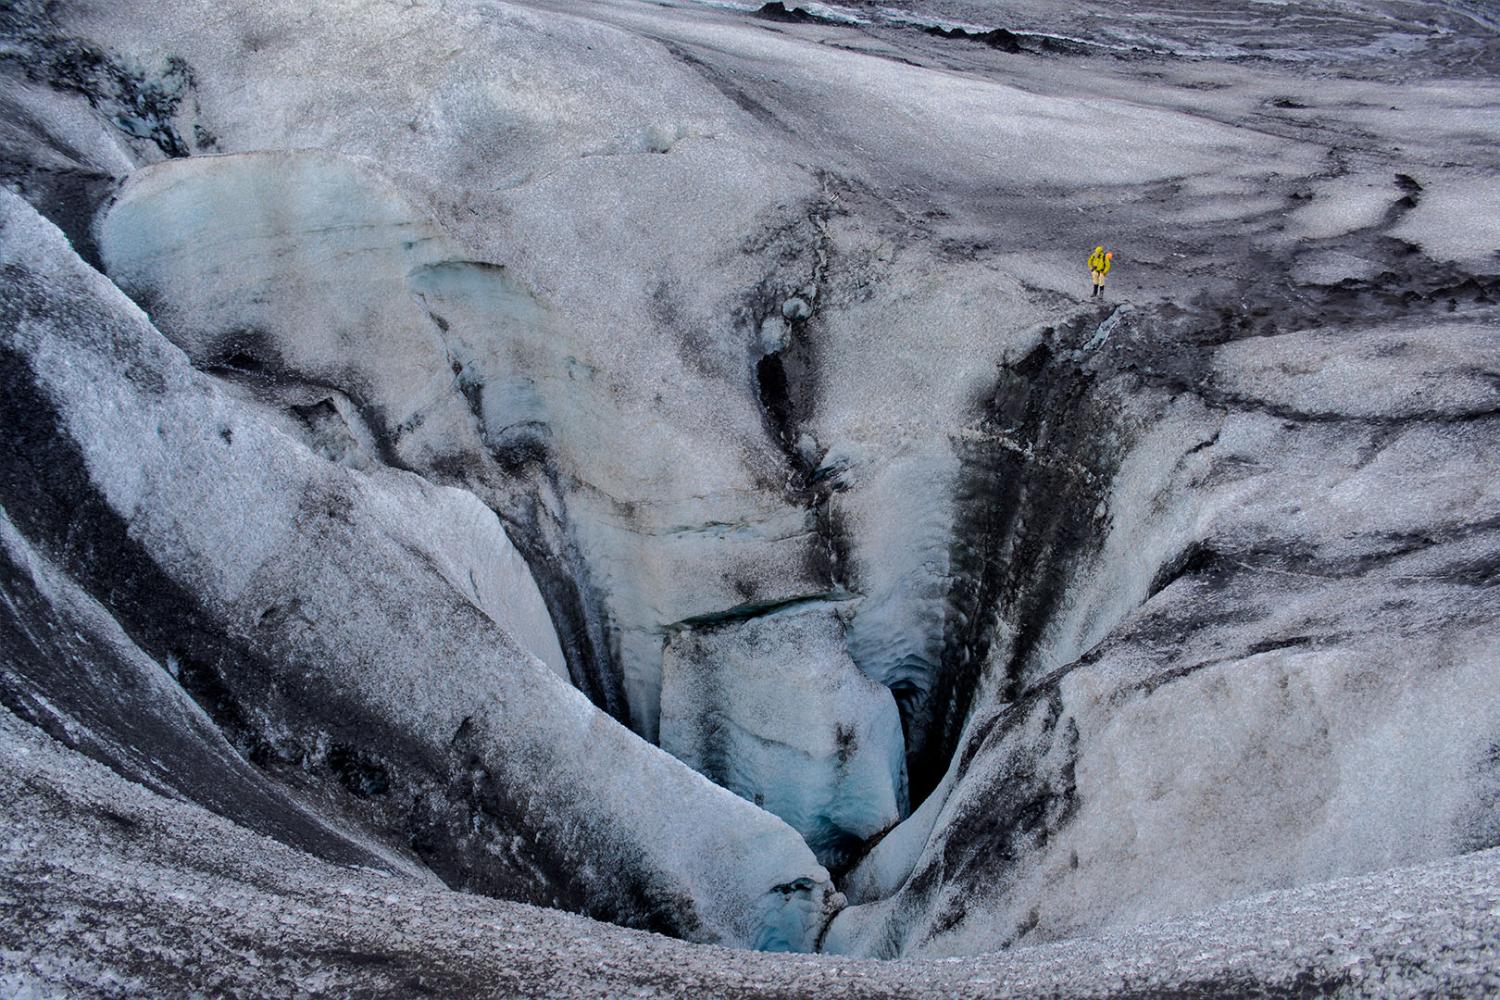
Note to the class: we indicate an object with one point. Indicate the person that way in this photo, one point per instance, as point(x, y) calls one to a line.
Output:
point(1099, 265)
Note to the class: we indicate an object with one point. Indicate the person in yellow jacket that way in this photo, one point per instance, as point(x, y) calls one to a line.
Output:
point(1099, 265)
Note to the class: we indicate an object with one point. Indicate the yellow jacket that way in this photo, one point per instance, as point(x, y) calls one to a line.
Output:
point(1098, 262)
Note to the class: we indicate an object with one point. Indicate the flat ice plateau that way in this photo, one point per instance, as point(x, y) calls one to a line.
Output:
point(544, 498)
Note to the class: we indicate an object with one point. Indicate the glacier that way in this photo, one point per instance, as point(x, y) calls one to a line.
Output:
point(301, 678)
point(529, 498)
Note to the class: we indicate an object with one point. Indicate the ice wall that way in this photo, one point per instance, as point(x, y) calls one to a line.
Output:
point(306, 279)
point(311, 610)
point(773, 709)
point(1240, 689)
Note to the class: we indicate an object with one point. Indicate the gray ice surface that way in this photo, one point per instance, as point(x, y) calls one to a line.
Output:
point(440, 404)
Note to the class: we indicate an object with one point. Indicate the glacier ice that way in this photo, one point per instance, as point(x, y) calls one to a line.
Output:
point(550, 367)
point(463, 374)
point(333, 610)
point(773, 709)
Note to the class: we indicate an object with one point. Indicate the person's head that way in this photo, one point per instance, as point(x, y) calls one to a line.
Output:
point(1110, 255)
point(1098, 249)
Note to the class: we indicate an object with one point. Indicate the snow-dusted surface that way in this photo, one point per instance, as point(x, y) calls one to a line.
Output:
point(1457, 222)
point(112, 891)
point(629, 337)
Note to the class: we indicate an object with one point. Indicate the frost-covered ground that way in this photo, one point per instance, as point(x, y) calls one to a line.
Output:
point(435, 431)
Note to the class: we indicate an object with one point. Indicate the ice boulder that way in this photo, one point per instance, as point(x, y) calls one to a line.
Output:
point(773, 709)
